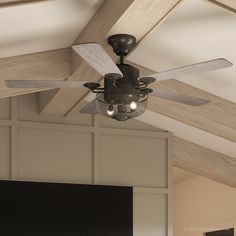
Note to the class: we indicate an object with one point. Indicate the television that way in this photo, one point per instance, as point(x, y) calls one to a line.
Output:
point(224, 232)
point(55, 209)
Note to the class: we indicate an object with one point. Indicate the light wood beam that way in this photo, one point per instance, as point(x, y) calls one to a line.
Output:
point(136, 17)
point(5, 3)
point(49, 65)
point(216, 117)
point(205, 162)
point(227, 4)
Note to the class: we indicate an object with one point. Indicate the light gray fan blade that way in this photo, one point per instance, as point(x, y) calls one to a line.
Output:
point(175, 97)
point(90, 108)
point(44, 84)
point(216, 64)
point(96, 57)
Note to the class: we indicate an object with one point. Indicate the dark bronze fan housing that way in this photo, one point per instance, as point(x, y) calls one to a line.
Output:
point(125, 94)
point(123, 97)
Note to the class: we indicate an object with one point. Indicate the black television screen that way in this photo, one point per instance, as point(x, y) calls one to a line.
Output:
point(224, 232)
point(48, 209)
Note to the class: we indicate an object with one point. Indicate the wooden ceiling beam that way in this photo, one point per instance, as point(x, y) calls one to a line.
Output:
point(229, 5)
point(216, 117)
point(6, 3)
point(49, 65)
point(205, 162)
point(136, 17)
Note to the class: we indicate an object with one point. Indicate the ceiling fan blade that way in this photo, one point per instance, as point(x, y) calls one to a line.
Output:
point(44, 83)
point(175, 97)
point(90, 108)
point(97, 57)
point(215, 64)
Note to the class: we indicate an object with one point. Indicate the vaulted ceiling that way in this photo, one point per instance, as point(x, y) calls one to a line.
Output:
point(170, 33)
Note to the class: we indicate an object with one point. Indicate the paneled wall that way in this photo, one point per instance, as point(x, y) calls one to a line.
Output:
point(86, 149)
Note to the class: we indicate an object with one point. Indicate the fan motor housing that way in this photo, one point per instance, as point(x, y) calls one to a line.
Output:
point(124, 89)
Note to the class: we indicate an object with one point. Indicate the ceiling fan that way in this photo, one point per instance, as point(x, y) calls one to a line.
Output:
point(125, 94)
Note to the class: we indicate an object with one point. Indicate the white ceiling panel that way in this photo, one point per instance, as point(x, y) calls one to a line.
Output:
point(196, 31)
point(43, 26)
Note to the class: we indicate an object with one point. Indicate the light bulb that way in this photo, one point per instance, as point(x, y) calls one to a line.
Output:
point(110, 110)
point(133, 105)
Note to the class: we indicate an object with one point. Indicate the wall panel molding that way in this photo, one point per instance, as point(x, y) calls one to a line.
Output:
point(36, 150)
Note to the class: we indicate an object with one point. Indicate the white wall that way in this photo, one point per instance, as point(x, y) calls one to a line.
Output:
point(202, 205)
point(84, 149)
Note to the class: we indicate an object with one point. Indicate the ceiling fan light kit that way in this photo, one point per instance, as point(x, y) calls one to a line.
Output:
point(125, 94)
point(123, 97)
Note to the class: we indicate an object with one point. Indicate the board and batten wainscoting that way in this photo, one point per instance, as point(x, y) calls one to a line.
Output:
point(95, 150)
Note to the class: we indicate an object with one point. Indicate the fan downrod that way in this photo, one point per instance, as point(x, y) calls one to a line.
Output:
point(122, 44)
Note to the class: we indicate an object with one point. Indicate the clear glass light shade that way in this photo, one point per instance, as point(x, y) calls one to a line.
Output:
point(121, 112)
